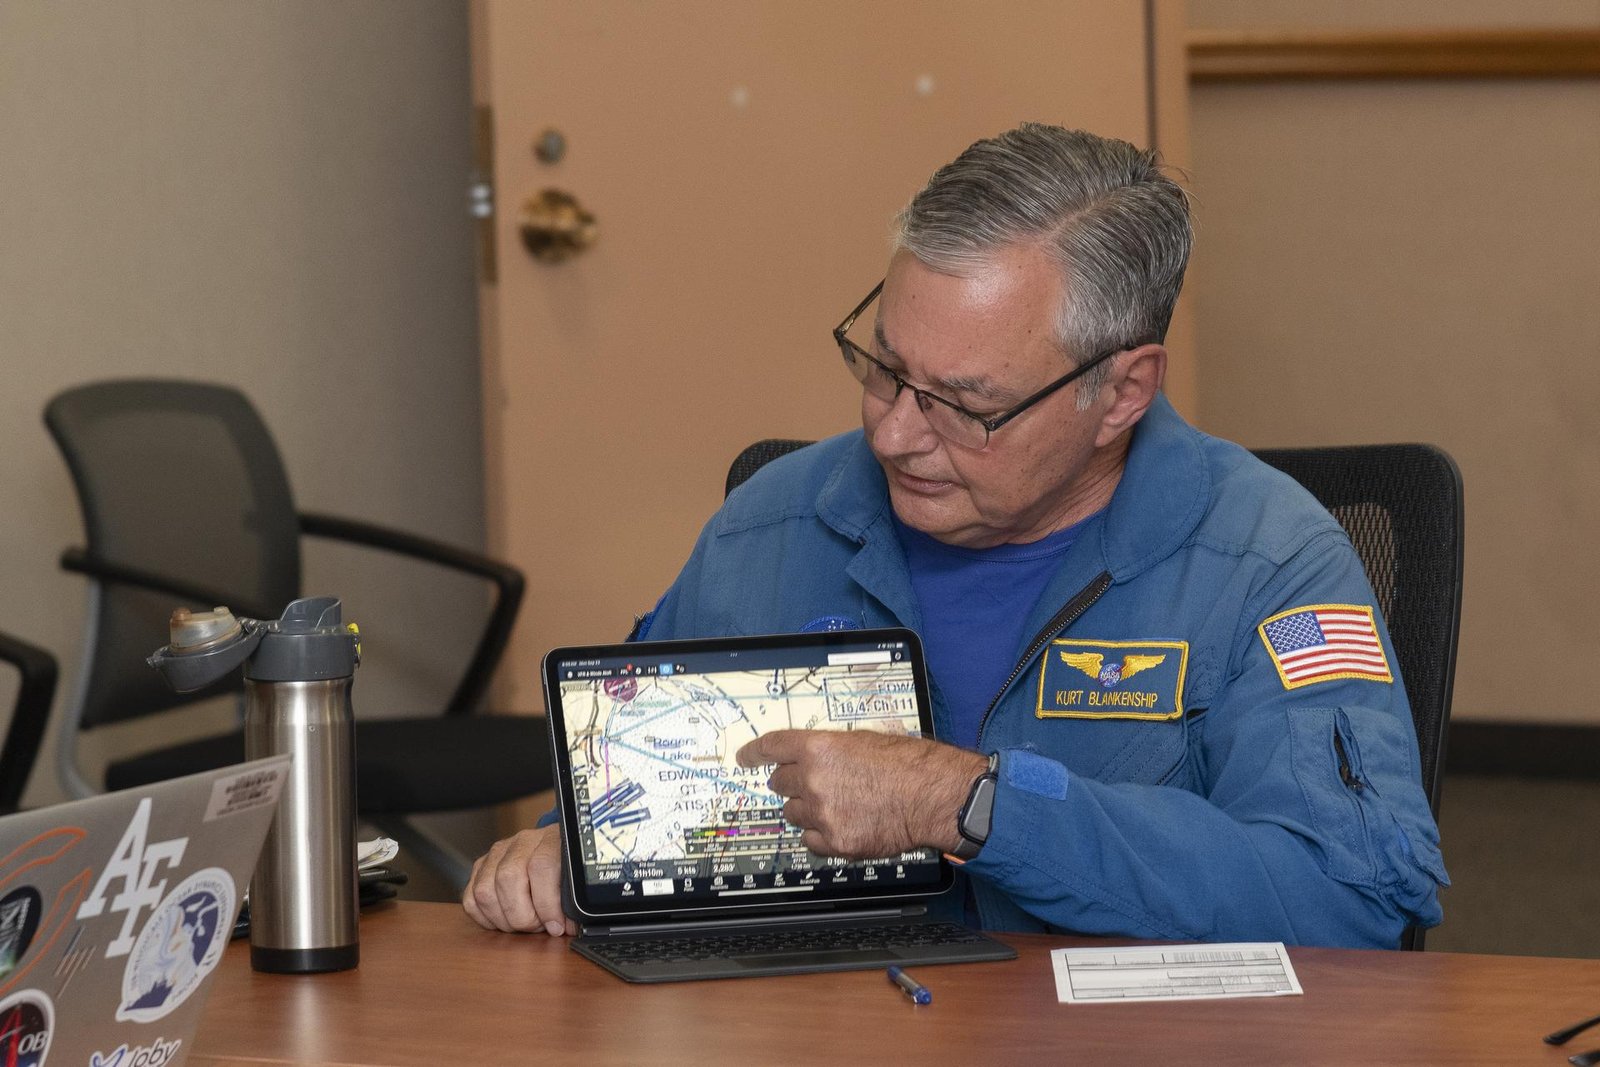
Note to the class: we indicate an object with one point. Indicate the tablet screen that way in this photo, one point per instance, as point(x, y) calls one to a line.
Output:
point(658, 814)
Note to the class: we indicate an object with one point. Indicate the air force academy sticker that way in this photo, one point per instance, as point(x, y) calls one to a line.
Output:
point(179, 945)
point(1112, 679)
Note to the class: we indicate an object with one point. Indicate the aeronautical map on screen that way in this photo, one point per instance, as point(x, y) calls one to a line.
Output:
point(660, 796)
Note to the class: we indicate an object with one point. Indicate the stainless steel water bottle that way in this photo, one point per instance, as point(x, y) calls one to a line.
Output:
point(298, 670)
point(303, 898)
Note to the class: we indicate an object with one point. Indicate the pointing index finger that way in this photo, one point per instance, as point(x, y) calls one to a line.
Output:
point(780, 746)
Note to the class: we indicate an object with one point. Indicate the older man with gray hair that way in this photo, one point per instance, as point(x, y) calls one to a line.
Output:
point(1166, 695)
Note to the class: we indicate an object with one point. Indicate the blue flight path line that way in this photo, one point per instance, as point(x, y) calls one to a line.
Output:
point(645, 722)
point(684, 767)
point(674, 709)
point(737, 701)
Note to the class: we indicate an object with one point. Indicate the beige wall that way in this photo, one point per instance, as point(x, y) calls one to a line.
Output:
point(1417, 260)
point(268, 193)
point(1390, 14)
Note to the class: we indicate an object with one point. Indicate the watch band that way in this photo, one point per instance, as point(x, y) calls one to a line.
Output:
point(972, 823)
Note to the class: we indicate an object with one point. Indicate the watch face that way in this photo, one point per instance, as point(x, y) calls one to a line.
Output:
point(978, 811)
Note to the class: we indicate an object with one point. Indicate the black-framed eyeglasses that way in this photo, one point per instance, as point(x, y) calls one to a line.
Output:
point(947, 418)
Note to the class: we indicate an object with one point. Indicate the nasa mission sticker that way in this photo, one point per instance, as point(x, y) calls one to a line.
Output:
point(20, 910)
point(1084, 679)
point(26, 1022)
point(180, 944)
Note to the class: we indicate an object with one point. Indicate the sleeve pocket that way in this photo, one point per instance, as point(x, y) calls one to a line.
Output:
point(1357, 769)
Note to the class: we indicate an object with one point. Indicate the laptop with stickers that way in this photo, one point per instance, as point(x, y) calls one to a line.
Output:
point(115, 910)
point(679, 863)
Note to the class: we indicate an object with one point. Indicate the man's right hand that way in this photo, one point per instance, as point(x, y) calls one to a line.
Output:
point(516, 885)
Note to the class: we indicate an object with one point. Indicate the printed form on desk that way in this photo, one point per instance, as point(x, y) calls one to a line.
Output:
point(1173, 972)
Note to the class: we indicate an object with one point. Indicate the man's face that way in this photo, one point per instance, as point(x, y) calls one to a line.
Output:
point(987, 342)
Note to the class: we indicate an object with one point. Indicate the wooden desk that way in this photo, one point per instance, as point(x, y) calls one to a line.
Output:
point(434, 989)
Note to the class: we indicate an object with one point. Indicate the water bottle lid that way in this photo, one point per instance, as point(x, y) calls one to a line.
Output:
point(203, 646)
point(309, 643)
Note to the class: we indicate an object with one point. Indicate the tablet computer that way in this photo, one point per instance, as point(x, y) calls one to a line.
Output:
point(660, 822)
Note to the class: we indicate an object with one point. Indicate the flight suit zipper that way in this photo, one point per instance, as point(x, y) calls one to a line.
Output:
point(1345, 773)
point(1068, 614)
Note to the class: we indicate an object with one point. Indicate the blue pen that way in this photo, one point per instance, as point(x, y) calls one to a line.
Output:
point(910, 986)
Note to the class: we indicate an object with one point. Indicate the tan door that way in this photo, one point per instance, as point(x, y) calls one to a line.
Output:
point(743, 161)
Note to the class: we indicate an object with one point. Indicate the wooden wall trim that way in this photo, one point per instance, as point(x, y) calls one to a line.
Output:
point(1256, 55)
point(1524, 750)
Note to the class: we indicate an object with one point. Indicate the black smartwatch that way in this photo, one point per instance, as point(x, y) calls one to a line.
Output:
point(973, 821)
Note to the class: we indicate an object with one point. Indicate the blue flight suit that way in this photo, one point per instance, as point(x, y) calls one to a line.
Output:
point(1167, 769)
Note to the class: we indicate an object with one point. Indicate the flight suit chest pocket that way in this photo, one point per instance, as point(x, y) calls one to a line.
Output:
point(1118, 706)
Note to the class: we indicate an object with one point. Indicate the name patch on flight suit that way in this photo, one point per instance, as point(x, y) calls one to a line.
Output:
point(1082, 679)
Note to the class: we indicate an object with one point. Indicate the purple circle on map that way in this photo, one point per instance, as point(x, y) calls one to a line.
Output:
point(621, 689)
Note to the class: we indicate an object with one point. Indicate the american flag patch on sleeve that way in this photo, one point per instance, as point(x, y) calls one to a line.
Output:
point(1324, 642)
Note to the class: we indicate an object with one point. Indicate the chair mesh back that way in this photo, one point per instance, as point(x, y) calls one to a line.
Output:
point(757, 456)
point(182, 480)
point(1402, 507)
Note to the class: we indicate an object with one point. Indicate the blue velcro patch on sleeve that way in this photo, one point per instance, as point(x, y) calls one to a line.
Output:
point(1035, 774)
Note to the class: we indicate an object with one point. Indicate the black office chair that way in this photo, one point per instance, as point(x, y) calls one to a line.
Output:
point(1402, 507)
point(757, 456)
point(36, 687)
point(186, 501)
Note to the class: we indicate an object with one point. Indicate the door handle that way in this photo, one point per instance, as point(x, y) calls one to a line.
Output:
point(555, 227)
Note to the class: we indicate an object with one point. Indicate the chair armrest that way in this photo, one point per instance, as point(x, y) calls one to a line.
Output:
point(80, 562)
point(508, 582)
point(25, 733)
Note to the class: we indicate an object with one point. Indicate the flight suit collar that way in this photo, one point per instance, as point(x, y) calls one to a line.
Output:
point(1159, 501)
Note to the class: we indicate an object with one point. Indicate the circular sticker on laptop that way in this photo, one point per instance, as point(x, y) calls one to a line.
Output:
point(19, 921)
point(26, 1021)
point(179, 946)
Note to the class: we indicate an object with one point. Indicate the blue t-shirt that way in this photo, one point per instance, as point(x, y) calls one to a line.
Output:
point(975, 602)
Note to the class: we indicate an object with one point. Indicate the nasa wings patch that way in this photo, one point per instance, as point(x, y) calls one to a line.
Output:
point(1082, 679)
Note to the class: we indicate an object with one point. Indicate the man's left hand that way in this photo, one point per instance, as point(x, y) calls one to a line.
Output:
point(860, 794)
